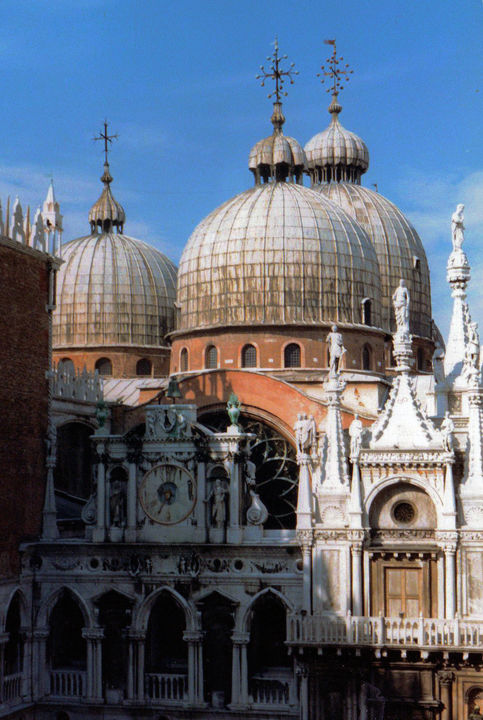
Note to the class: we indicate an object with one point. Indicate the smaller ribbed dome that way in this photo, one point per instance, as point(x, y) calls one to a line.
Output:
point(107, 213)
point(336, 154)
point(278, 156)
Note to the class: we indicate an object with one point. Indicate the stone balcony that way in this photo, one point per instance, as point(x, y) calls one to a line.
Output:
point(423, 634)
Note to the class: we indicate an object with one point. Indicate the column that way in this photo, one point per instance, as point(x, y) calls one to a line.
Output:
point(3, 641)
point(450, 587)
point(446, 678)
point(357, 600)
point(93, 637)
point(131, 669)
point(195, 666)
point(99, 533)
point(130, 532)
point(141, 641)
point(40, 671)
point(307, 586)
point(239, 693)
point(303, 673)
point(27, 636)
point(234, 532)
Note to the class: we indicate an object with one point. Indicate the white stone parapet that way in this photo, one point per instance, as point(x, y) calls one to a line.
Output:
point(81, 385)
point(392, 632)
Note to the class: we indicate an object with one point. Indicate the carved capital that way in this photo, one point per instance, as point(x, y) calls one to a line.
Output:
point(305, 538)
point(446, 677)
point(94, 633)
point(240, 638)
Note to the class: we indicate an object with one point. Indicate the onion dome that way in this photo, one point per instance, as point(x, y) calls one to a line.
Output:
point(398, 248)
point(278, 156)
point(107, 213)
point(113, 289)
point(278, 253)
point(336, 154)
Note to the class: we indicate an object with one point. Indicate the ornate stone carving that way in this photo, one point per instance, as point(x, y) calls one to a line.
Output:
point(257, 513)
point(189, 564)
point(270, 568)
point(166, 422)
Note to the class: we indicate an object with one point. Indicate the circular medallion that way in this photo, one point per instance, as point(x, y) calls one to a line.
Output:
point(404, 513)
point(168, 493)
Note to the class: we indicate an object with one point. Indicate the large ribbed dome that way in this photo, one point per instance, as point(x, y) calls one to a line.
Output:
point(113, 290)
point(276, 254)
point(398, 247)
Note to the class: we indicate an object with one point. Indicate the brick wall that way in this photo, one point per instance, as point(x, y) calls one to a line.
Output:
point(23, 397)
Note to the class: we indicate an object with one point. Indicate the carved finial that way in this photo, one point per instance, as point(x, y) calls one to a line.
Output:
point(337, 73)
point(233, 408)
point(276, 73)
point(107, 139)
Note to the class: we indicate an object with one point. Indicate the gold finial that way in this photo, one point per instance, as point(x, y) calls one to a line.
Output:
point(334, 70)
point(276, 73)
point(107, 139)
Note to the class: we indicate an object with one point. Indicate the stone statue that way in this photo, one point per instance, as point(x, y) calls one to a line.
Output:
point(218, 508)
point(336, 350)
point(457, 227)
point(233, 408)
point(51, 442)
point(447, 432)
point(305, 433)
point(116, 503)
point(473, 347)
point(355, 433)
point(400, 300)
point(251, 471)
point(102, 413)
point(475, 714)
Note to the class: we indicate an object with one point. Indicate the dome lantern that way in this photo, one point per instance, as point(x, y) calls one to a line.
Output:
point(336, 154)
point(277, 158)
point(106, 213)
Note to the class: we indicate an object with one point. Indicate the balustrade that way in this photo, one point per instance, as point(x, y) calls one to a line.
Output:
point(269, 691)
point(419, 632)
point(68, 683)
point(12, 687)
point(167, 687)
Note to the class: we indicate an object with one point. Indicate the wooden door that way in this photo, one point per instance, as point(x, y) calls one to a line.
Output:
point(403, 591)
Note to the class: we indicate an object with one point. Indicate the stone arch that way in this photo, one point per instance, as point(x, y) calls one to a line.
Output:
point(48, 604)
point(141, 614)
point(24, 608)
point(406, 479)
point(245, 614)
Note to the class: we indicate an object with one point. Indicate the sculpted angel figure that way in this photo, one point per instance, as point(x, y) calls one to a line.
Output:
point(457, 227)
point(336, 350)
point(400, 300)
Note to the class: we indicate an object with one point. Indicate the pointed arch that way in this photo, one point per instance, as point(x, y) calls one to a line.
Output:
point(24, 608)
point(48, 604)
point(246, 615)
point(141, 614)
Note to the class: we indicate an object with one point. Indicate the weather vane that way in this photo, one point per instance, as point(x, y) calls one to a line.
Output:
point(276, 73)
point(335, 70)
point(107, 139)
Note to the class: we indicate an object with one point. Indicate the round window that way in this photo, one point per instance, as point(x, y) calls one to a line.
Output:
point(404, 513)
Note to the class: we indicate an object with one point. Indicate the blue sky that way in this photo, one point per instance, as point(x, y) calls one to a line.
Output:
point(177, 82)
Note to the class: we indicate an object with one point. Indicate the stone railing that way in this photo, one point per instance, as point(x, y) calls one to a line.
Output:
point(271, 692)
point(68, 683)
point(166, 686)
point(424, 633)
point(69, 384)
point(12, 688)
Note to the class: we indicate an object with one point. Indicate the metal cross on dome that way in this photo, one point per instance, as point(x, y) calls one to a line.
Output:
point(107, 139)
point(276, 73)
point(335, 70)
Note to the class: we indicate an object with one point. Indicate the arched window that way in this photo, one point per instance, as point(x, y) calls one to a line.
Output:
point(14, 647)
point(67, 647)
point(269, 663)
point(420, 358)
point(66, 366)
point(104, 366)
point(291, 356)
point(114, 617)
point(143, 367)
point(183, 360)
point(211, 357)
point(167, 621)
point(366, 357)
point(249, 356)
point(367, 312)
